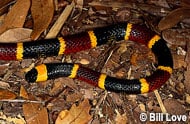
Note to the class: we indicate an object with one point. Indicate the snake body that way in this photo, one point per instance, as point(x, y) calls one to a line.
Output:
point(90, 39)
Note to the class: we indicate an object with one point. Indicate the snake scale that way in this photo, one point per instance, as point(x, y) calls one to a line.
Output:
point(90, 39)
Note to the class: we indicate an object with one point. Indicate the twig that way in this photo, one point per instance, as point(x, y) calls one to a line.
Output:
point(60, 21)
point(21, 100)
point(97, 108)
point(163, 109)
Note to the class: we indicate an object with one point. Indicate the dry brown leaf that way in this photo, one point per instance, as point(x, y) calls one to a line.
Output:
point(133, 59)
point(23, 92)
point(15, 35)
point(3, 70)
point(4, 5)
point(12, 120)
point(187, 72)
point(173, 18)
point(177, 37)
point(68, 82)
point(73, 97)
point(16, 16)
point(42, 13)
point(35, 113)
point(174, 107)
point(179, 61)
point(185, 3)
point(187, 98)
point(76, 115)
point(4, 85)
point(121, 119)
point(6, 94)
point(79, 4)
point(57, 86)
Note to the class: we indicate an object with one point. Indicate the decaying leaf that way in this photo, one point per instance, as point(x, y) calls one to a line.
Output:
point(15, 35)
point(35, 113)
point(74, 97)
point(173, 18)
point(4, 2)
point(76, 115)
point(185, 3)
point(134, 59)
point(16, 120)
point(3, 70)
point(121, 119)
point(6, 94)
point(4, 5)
point(23, 92)
point(174, 107)
point(42, 13)
point(178, 37)
point(79, 5)
point(187, 72)
point(16, 16)
point(179, 61)
point(56, 88)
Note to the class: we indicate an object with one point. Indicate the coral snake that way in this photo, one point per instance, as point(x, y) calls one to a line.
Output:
point(90, 39)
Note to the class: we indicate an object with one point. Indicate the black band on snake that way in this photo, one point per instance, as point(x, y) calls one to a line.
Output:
point(90, 39)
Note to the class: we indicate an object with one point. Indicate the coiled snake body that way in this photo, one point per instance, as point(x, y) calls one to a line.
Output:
point(90, 39)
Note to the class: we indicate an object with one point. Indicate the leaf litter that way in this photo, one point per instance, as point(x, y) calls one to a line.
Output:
point(62, 100)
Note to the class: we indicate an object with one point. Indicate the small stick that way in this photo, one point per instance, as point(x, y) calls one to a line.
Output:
point(60, 21)
point(163, 109)
point(21, 100)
